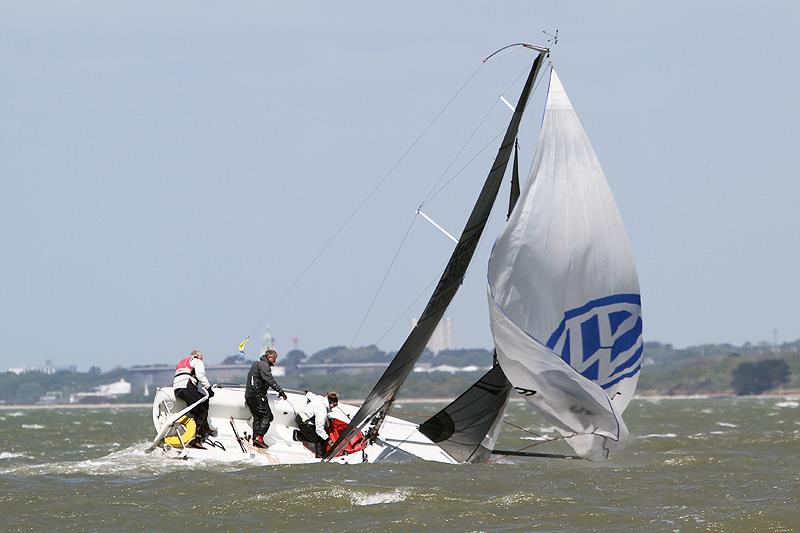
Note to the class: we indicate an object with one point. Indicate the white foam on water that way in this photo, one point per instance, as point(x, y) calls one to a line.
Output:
point(16, 413)
point(658, 436)
point(707, 411)
point(9, 455)
point(32, 426)
point(106, 422)
point(727, 425)
point(551, 429)
point(360, 498)
point(681, 461)
point(787, 404)
point(716, 432)
point(129, 462)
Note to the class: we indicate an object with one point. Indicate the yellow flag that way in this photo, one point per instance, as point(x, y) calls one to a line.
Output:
point(243, 344)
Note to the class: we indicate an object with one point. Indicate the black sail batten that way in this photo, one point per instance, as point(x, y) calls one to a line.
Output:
point(515, 190)
point(460, 428)
point(379, 400)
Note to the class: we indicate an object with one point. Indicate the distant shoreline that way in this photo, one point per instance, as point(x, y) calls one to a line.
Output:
point(789, 395)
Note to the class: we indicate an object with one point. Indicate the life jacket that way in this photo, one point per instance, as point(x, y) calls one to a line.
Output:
point(185, 367)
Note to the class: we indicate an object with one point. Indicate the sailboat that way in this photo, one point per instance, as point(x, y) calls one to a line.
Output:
point(565, 316)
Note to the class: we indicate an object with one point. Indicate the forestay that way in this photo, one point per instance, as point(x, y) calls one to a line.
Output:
point(563, 291)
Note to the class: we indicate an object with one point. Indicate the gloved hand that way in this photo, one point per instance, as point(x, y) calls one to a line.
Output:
point(210, 393)
point(330, 443)
point(283, 396)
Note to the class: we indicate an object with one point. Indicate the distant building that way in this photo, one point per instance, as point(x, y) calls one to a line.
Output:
point(103, 393)
point(268, 341)
point(442, 338)
point(151, 376)
point(52, 397)
point(47, 369)
point(339, 368)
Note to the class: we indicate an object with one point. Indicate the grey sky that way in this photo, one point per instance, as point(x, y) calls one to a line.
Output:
point(169, 168)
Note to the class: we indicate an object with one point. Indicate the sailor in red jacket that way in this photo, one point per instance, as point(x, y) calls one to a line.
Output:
point(190, 372)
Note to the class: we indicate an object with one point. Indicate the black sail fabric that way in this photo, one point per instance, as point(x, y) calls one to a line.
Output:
point(512, 200)
point(379, 400)
point(461, 427)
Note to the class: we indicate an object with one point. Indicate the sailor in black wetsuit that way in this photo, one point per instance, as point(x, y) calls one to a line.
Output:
point(259, 381)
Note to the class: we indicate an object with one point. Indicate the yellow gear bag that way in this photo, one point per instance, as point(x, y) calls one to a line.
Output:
point(186, 428)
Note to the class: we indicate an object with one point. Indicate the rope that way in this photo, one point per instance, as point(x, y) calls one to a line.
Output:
point(544, 441)
point(363, 202)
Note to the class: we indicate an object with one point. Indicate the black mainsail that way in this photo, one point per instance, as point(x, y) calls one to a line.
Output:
point(460, 429)
point(378, 402)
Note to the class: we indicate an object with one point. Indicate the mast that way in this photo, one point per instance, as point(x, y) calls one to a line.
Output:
point(379, 401)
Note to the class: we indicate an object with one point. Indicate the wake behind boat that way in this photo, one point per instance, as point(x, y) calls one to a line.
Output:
point(565, 315)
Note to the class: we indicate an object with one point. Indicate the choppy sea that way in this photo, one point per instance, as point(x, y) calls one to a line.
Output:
point(723, 464)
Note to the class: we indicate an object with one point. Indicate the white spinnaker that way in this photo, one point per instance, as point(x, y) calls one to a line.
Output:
point(563, 291)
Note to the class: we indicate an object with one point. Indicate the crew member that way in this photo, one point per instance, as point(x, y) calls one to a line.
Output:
point(312, 419)
point(188, 373)
point(259, 381)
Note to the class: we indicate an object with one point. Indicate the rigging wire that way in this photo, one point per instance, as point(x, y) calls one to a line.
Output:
point(544, 440)
point(363, 202)
point(458, 154)
point(385, 276)
point(407, 309)
point(428, 198)
point(487, 145)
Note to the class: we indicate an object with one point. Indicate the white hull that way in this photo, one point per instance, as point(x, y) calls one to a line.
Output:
point(398, 440)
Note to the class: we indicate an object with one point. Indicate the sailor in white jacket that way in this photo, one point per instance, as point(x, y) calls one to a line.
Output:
point(189, 373)
point(312, 419)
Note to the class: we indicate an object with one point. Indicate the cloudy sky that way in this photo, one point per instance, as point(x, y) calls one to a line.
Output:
point(171, 174)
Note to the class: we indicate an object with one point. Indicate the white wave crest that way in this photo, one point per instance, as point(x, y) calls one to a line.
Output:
point(659, 436)
point(9, 455)
point(131, 461)
point(32, 426)
point(727, 425)
point(16, 413)
point(787, 404)
point(360, 498)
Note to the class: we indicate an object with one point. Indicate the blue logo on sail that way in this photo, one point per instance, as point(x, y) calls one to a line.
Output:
point(602, 339)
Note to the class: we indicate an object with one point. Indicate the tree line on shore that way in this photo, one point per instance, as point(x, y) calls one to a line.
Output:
point(706, 369)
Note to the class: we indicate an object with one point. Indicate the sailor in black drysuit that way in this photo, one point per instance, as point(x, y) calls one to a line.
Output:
point(259, 381)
